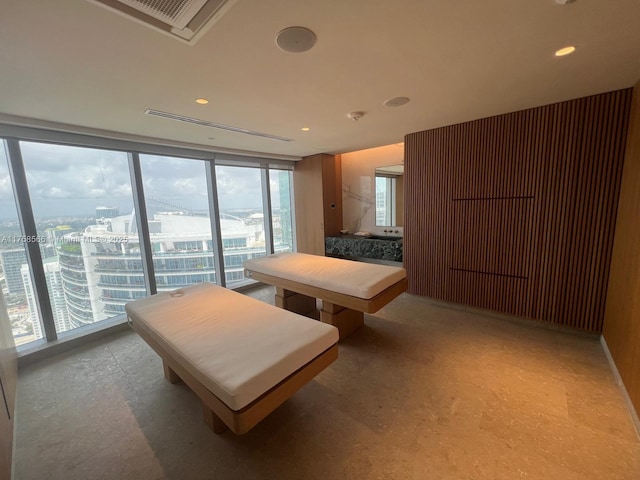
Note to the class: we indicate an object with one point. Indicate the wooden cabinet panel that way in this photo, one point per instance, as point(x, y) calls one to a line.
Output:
point(317, 183)
point(332, 194)
point(307, 188)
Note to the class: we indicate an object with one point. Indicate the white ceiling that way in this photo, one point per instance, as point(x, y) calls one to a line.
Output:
point(74, 62)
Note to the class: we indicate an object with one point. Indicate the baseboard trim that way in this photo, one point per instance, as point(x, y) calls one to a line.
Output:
point(632, 411)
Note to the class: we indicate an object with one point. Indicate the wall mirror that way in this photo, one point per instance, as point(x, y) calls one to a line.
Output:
point(390, 196)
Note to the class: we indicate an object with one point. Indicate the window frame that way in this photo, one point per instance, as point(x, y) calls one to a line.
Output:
point(11, 135)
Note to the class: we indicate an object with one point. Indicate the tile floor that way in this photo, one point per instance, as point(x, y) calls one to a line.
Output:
point(423, 391)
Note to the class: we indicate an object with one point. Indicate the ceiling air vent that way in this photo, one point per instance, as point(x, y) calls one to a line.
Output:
point(205, 123)
point(186, 20)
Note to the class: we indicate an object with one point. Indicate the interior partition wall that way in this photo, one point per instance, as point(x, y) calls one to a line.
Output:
point(622, 315)
point(516, 213)
point(88, 224)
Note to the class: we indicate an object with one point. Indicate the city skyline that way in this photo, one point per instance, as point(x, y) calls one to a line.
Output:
point(93, 271)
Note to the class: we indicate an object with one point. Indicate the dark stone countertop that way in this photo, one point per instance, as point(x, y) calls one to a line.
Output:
point(354, 246)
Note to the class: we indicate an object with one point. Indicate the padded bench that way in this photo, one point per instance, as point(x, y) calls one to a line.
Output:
point(347, 289)
point(242, 358)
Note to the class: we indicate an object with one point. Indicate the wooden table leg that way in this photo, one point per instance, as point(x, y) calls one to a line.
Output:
point(211, 419)
point(346, 320)
point(295, 302)
point(169, 374)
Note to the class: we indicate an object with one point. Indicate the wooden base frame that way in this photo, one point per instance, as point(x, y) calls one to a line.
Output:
point(366, 305)
point(342, 311)
point(216, 413)
point(344, 319)
point(294, 302)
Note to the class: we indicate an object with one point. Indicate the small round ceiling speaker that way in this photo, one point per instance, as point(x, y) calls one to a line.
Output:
point(296, 39)
point(396, 102)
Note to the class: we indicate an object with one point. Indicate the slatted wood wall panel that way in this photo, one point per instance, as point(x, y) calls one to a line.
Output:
point(515, 213)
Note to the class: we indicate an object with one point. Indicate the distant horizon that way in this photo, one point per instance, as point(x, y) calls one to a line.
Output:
point(93, 214)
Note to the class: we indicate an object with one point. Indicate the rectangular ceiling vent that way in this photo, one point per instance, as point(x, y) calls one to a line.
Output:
point(186, 20)
point(205, 123)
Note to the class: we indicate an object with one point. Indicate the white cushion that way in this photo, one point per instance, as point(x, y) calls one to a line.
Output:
point(236, 346)
point(357, 279)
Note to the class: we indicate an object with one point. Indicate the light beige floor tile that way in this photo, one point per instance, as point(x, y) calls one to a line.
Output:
point(423, 391)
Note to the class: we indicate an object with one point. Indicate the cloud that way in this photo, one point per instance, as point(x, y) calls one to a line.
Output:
point(67, 180)
point(123, 190)
point(55, 192)
point(239, 187)
point(6, 188)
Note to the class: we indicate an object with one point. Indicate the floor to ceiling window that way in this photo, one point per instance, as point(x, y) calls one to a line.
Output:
point(242, 220)
point(281, 206)
point(79, 199)
point(15, 277)
point(385, 200)
point(179, 221)
point(83, 208)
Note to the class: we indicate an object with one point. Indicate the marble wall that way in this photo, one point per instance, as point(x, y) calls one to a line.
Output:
point(358, 186)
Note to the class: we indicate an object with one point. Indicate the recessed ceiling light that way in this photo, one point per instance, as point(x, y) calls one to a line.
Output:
point(396, 102)
point(295, 39)
point(305, 129)
point(565, 51)
point(564, 2)
point(202, 101)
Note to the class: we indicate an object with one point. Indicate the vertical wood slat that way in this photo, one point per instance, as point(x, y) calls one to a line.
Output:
point(515, 213)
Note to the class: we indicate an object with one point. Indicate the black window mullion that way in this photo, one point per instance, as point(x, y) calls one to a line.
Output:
point(216, 232)
point(142, 223)
point(266, 210)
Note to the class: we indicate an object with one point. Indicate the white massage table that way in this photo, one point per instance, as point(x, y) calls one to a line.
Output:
point(347, 289)
point(243, 358)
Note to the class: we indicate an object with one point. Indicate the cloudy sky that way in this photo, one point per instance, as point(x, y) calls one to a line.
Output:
point(73, 181)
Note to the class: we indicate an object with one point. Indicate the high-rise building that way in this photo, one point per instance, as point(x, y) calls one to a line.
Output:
point(12, 262)
point(106, 212)
point(56, 296)
point(48, 250)
point(284, 212)
point(34, 318)
point(101, 267)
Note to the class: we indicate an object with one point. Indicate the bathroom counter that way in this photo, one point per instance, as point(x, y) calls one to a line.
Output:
point(379, 247)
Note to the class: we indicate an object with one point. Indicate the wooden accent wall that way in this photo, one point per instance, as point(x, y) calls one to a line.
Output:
point(622, 313)
point(332, 194)
point(307, 194)
point(317, 185)
point(515, 213)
